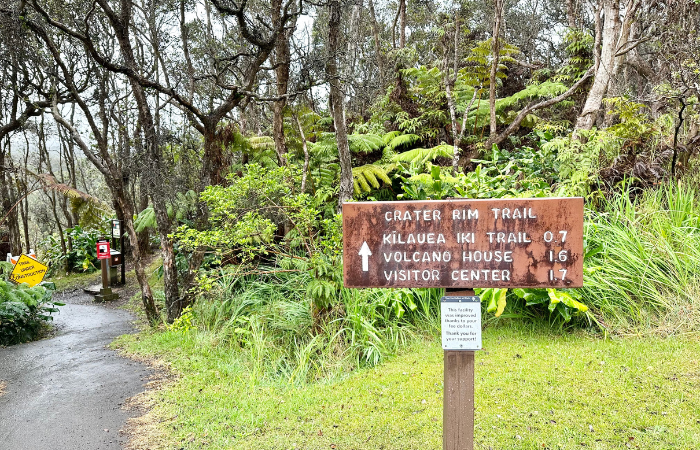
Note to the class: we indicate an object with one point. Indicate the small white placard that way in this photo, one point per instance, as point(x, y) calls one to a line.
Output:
point(116, 229)
point(461, 323)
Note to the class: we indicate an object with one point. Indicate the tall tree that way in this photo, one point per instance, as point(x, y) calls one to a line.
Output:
point(337, 101)
point(231, 78)
point(99, 108)
point(23, 88)
point(614, 41)
point(495, 60)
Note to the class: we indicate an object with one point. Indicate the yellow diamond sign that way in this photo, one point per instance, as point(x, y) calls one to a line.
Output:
point(28, 270)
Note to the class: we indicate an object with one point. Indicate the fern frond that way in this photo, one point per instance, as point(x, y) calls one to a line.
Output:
point(145, 219)
point(367, 177)
point(403, 140)
point(363, 183)
point(365, 143)
point(419, 156)
point(261, 142)
point(51, 183)
point(325, 147)
point(389, 136)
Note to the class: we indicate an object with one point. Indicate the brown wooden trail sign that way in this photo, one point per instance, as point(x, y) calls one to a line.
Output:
point(464, 243)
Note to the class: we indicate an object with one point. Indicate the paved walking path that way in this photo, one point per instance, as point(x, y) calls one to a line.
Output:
point(66, 392)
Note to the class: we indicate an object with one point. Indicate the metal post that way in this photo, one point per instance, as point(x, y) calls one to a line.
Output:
point(458, 396)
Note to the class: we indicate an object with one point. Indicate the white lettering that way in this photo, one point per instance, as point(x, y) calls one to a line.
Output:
point(487, 256)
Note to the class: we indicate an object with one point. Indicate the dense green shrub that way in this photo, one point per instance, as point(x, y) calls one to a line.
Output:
point(24, 311)
point(644, 258)
point(268, 318)
point(80, 257)
point(523, 172)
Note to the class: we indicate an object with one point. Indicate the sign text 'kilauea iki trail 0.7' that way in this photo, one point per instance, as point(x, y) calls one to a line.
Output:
point(464, 243)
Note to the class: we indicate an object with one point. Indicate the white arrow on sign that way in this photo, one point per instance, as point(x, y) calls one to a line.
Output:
point(365, 252)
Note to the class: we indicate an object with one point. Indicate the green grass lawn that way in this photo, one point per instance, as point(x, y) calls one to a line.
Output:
point(534, 390)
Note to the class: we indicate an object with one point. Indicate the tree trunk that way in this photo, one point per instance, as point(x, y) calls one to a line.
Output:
point(64, 249)
point(400, 14)
point(571, 13)
point(139, 264)
point(305, 169)
point(587, 118)
point(171, 286)
point(8, 201)
point(155, 171)
point(282, 62)
point(377, 42)
point(495, 59)
point(213, 163)
point(598, 34)
point(402, 25)
point(336, 100)
point(625, 33)
point(24, 204)
point(144, 237)
point(449, 80)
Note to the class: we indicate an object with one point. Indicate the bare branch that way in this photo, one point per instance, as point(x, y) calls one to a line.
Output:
point(522, 114)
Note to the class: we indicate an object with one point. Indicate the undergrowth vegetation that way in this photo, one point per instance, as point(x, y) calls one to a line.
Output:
point(267, 318)
point(271, 284)
point(75, 251)
point(24, 310)
point(643, 260)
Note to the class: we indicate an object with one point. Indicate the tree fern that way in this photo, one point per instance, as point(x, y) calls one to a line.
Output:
point(325, 147)
point(402, 141)
point(477, 72)
point(365, 143)
point(419, 156)
point(359, 143)
point(327, 174)
point(145, 219)
point(262, 150)
point(389, 136)
point(261, 143)
point(367, 177)
point(544, 90)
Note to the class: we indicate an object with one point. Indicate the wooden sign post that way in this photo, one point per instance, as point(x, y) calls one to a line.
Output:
point(462, 244)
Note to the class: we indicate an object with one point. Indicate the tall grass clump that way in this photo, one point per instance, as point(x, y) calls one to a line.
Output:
point(269, 321)
point(643, 258)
